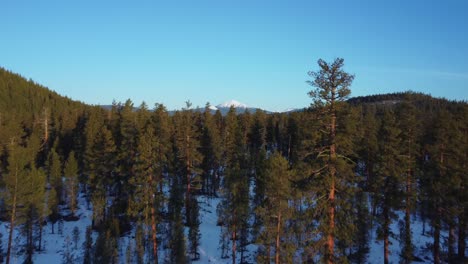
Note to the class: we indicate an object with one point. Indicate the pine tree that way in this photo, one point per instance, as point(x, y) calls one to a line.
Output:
point(442, 182)
point(408, 126)
point(194, 230)
point(54, 173)
point(71, 175)
point(25, 187)
point(388, 178)
point(161, 124)
point(145, 200)
point(92, 134)
point(210, 148)
point(126, 142)
point(102, 160)
point(187, 144)
point(235, 185)
point(177, 241)
point(332, 88)
point(276, 210)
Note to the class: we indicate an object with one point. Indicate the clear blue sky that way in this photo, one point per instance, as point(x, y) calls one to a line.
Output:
point(257, 52)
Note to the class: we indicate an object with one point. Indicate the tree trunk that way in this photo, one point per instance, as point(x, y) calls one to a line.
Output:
point(437, 236)
point(331, 210)
point(187, 193)
point(462, 237)
point(386, 234)
point(408, 238)
point(154, 234)
point(234, 244)
point(278, 229)
point(40, 234)
point(153, 219)
point(12, 219)
point(451, 241)
point(268, 256)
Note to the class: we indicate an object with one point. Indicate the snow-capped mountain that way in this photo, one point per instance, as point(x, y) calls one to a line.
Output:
point(232, 103)
point(239, 107)
point(213, 108)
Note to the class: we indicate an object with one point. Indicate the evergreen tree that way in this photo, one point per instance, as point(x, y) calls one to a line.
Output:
point(177, 241)
point(276, 210)
point(235, 185)
point(145, 200)
point(102, 172)
point(71, 175)
point(388, 178)
point(126, 142)
point(161, 123)
point(54, 173)
point(210, 148)
point(25, 187)
point(332, 88)
point(408, 126)
point(187, 145)
point(194, 230)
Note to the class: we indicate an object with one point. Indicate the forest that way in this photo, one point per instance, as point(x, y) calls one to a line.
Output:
point(315, 185)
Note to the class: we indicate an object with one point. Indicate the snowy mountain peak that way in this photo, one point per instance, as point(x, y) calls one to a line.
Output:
point(233, 103)
point(213, 108)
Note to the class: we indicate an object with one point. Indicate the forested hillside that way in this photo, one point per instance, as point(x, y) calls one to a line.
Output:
point(312, 186)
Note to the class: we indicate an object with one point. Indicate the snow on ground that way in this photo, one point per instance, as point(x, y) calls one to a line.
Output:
point(210, 232)
point(420, 242)
point(55, 244)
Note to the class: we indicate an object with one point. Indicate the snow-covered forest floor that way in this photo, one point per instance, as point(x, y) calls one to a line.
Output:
point(56, 244)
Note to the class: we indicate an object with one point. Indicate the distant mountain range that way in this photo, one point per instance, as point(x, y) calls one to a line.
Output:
point(224, 108)
point(381, 99)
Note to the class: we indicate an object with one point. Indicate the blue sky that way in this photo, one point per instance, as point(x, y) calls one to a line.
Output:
point(257, 52)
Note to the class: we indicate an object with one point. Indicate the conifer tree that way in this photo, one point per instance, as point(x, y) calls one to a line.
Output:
point(441, 178)
point(25, 187)
point(161, 123)
point(276, 211)
point(257, 149)
point(332, 88)
point(189, 157)
point(408, 126)
point(102, 172)
point(210, 148)
point(145, 200)
point(235, 185)
point(71, 175)
point(194, 230)
point(388, 178)
point(126, 143)
point(177, 241)
point(54, 173)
